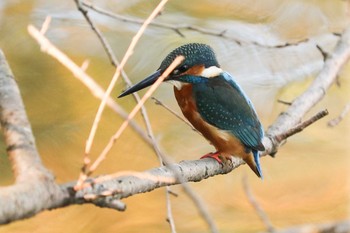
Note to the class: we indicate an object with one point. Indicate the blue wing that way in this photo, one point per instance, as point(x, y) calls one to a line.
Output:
point(222, 103)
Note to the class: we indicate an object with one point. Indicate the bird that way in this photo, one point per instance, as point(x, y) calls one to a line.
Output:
point(214, 103)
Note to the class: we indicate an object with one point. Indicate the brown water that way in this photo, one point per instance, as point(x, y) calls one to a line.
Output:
point(308, 181)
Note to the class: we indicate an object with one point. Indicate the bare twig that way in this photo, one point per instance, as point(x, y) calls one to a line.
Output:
point(178, 28)
point(259, 210)
point(284, 102)
point(102, 156)
point(96, 90)
point(45, 25)
point(113, 59)
point(97, 119)
point(85, 65)
point(196, 199)
point(323, 53)
point(170, 218)
point(287, 44)
point(330, 227)
point(116, 63)
point(334, 122)
point(103, 40)
point(300, 127)
point(199, 204)
point(316, 91)
point(173, 193)
point(158, 102)
point(128, 53)
point(204, 213)
point(107, 47)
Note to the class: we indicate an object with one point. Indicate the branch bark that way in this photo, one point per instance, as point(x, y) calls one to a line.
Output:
point(34, 187)
point(333, 227)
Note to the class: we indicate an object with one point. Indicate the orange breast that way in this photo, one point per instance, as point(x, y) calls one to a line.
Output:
point(223, 141)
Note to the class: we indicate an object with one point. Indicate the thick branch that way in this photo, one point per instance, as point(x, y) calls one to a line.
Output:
point(19, 139)
point(126, 184)
point(179, 28)
point(34, 188)
point(123, 184)
point(334, 227)
point(317, 90)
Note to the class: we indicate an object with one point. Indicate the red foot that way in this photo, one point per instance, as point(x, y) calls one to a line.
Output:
point(215, 156)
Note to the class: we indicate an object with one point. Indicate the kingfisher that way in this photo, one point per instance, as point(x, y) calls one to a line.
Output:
point(213, 103)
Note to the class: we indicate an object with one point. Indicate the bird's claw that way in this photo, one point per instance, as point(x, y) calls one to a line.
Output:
point(217, 156)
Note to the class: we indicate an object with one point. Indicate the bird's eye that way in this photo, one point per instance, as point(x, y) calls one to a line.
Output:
point(180, 69)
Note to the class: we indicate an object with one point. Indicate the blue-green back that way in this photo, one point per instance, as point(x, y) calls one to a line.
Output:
point(222, 103)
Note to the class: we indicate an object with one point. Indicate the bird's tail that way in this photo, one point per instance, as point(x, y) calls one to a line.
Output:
point(254, 163)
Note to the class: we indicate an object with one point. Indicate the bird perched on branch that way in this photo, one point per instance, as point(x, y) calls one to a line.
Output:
point(214, 103)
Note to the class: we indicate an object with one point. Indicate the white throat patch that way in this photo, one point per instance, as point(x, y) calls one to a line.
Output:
point(177, 84)
point(211, 72)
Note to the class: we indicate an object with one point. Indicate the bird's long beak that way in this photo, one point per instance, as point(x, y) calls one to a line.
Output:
point(143, 84)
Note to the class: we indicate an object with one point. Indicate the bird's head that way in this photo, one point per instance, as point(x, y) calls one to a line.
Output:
point(199, 61)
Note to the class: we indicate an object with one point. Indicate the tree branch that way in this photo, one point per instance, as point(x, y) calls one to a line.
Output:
point(334, 122)
point(333, 227)
point(255, 204)
point(15, 126)
point(316, 91)
point(179, 28)
point(126, 184)
point(103, 40)
point(301, 126)
point(158, 102)
point(34, 187)
point(95, 89)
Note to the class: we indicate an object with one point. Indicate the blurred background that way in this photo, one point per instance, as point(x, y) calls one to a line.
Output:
point(308, 181)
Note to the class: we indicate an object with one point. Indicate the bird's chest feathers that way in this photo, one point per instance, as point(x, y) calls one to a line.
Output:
point(185, 100)
point(187, 104)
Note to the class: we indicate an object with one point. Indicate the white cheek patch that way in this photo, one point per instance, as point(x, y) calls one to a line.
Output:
point(177, 84)
point(211, 72)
